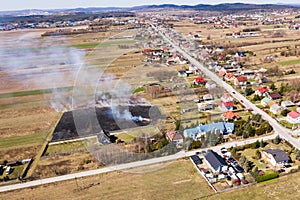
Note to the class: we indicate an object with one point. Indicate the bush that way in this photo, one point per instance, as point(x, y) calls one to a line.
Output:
point(267, 176)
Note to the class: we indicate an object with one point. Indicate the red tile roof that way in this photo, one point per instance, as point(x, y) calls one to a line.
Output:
point(231, 115)
point(199, 80)
point(263, 90)
point(226, 104)
point(241, 78)
point(229, 75)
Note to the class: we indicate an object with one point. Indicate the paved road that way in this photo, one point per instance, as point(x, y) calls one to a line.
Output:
point(127, 166)
point(283, 132)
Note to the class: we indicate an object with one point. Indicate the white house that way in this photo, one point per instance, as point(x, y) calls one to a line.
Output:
point(276, 157)
point(293, 117)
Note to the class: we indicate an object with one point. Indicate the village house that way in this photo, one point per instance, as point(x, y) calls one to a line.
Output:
point(205, 106)
point(230, 116)
point(208, 97)
point(287, 104)
point(275, 109)
point(174, 136)
point(229, 77)
point(226, 98)
point(248, 73)
point(261, 91)
point(275, 157)
point(240, 80)
point(265, 101)
point(210, 85)
point(226, 106)
point(215, 162)
point(274, 96)
point(293, 117)
point(224, 128)
point(199, 81)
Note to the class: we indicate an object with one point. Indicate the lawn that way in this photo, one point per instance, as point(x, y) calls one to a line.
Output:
point(26, 140)
point(286, 187)
point(68, 147)
point(174, 180)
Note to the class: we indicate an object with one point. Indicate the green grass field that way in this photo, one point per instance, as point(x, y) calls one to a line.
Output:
point(16, 141)
point(35, 92)
point(289, 62)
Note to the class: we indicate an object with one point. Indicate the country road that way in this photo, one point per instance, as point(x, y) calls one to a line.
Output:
point(278, 128)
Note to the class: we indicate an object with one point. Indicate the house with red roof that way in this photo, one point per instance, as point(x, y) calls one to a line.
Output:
point(240, 80)
point(174, 136)
point(222, 73)
point(199, 81)
point(229, 77)
point(230, 116)
point(147, 51)
point(293, 117)
point(226, 106)
point(261, 91)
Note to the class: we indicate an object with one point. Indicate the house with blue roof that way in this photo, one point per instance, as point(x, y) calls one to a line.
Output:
point(196, 133)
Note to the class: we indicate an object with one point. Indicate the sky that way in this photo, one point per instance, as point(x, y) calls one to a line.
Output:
point(54, 4)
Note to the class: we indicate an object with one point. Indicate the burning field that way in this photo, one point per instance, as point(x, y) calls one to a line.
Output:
point(81, 123)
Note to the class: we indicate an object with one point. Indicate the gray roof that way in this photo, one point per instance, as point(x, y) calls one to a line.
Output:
point(214, 159)
point(278, 155)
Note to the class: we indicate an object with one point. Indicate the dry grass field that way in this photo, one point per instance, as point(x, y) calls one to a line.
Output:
point(176, 180)
point(273, 41)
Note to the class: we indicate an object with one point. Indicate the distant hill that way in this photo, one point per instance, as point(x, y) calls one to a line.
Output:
point(204, 7)
point(218, 7)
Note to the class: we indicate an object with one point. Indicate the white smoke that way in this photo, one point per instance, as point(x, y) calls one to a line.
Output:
point(38, 64)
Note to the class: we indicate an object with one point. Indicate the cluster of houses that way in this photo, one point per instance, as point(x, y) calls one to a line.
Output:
point(222, 167)
point(269, 101)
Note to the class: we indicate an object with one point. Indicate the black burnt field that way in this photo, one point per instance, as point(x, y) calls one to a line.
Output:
point(86, 122)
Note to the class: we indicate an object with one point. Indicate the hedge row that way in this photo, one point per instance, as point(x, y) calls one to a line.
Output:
point(266, 177)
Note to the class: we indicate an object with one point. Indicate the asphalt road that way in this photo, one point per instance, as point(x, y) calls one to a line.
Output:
point(127, 166)
point(278, 128)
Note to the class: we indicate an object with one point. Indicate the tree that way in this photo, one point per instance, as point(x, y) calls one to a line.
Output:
point(251, 131)
point(255, 145)
point(256, 98)
point(249, 91)
point(297, 154)
point(258, 154)
point(262, 144)
point(248, 165)
point(284, 112)
point(187, 142)
point(255, 172)
point(196, 144)
point(273, 87)
point(242, 160)
point(277, 140)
